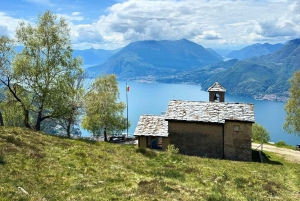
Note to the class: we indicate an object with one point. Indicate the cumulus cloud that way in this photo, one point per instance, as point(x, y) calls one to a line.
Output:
point(256, 37)
point(284, 26)
point(211, 35)
point(144, 20)
point(8, 25)
point(274, 28)
point(202, 21)
point(86, 33)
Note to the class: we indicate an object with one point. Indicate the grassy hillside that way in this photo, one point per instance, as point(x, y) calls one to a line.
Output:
point(54, 168)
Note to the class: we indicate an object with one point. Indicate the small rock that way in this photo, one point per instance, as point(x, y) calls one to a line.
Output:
point(22, 189)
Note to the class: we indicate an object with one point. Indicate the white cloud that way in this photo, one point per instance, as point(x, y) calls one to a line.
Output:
point(224, 22)
point(85, 33)
point(8, 25)
point(256, 37)
point(144, 20)
point(287, 25)
point(211, 35)
point(4, 31)
point(207, 22)
point(75, 16)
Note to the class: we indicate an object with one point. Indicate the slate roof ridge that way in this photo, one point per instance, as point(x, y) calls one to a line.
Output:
point(213, 112)
point(217, 87)
point(213, 102)
point(154, 115)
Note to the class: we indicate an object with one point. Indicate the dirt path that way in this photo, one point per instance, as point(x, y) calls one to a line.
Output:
point(288, 154)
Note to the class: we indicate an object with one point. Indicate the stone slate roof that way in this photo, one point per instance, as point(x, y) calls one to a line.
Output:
point(217, 87)
point(212, 112)
point(151, 125)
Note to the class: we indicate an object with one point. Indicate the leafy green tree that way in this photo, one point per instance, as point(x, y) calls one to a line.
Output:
point(260, 133)
point(44, 69)
point(6, 55)
point(292, 107)
point(12, 111)
point(74, 105)
point(103, 109)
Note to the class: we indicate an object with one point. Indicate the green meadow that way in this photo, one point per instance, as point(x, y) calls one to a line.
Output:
point(49, 167)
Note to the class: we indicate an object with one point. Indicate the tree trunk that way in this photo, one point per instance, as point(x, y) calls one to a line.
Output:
point(1, 119)
point(26, 118)
point(69, 129)
point(105, 136)
point(12, 90)
point(38, 121)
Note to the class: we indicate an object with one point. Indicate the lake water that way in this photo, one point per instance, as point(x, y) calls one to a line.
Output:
point(153, 98)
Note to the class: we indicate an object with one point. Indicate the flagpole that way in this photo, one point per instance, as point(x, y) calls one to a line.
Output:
point(127, 106)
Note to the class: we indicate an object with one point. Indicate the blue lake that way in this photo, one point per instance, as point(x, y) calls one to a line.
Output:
point(153, 98)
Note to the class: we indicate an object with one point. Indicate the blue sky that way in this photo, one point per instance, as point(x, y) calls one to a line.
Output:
point(111, 24)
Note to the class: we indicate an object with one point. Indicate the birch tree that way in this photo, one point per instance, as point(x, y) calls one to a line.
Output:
point(103, 108)
point(292, 107)
point(44, 69)
point(6, 75)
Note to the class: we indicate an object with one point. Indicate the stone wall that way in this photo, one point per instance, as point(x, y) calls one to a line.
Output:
point(142, 141)
point(199, 139)
point(237, 140)
point(165, 143)
point(206, 140)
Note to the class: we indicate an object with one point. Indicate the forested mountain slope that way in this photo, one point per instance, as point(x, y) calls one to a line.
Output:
point(152, 58)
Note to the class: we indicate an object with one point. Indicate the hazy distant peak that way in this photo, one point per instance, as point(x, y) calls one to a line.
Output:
point(254, 50)
point(295, 41)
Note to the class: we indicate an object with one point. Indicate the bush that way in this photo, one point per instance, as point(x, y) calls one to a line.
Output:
point(281, 143)
point(172, 149)
point(259, 133)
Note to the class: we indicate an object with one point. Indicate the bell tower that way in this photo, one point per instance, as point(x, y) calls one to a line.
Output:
point(216, 93)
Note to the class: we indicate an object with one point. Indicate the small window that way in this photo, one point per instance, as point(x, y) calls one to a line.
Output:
point(236, 128)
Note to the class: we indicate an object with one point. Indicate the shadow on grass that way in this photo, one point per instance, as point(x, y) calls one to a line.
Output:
point(88, 141)
point(266, 158)
point(2, 161)
point(149, 153)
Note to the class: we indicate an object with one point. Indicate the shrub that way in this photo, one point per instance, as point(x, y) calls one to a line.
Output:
point(281, 143)
point(172, 149)
point(259, 133)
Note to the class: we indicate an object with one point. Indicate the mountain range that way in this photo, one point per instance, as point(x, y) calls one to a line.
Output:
point(152, 58)
point(264, 76)
point(254, 50)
